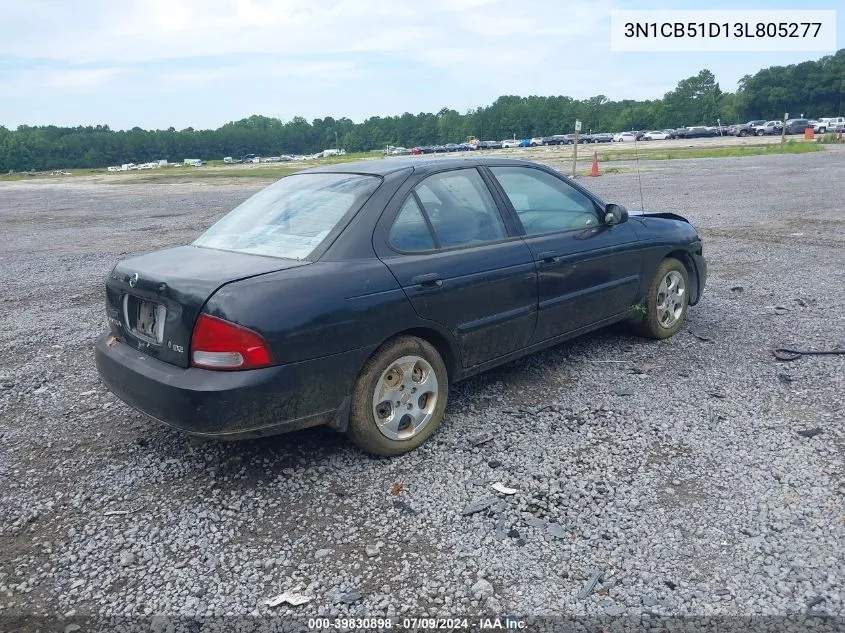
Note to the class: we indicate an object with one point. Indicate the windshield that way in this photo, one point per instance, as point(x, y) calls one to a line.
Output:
point(291, 217)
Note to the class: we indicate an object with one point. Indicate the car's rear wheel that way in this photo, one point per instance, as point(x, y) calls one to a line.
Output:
point(399, 397)
point(666, 301)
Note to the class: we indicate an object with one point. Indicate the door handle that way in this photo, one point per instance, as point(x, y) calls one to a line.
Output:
point(429, 279)
point(548, 257)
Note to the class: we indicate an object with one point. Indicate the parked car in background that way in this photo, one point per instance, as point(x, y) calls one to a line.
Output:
point(655, 135)
point(537, 141)
point(557, 139)
point(744, 129)
point(830, 124)
point(796, 126)
point(601, 137)
point(697, 131)
point(768, 128)
point(354, 295)
point(509, 142)
point(526, 142)
point(623, 137)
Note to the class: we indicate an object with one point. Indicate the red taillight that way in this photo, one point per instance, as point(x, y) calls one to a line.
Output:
point(219, 344)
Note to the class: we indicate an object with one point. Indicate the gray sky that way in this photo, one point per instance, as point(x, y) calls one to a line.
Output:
point(157, 63)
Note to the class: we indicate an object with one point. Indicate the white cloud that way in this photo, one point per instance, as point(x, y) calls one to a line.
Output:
point(252, 70)
point(50, 81)
point(203, 62)
point(147, 30)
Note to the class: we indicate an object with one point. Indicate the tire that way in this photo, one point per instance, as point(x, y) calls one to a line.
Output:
point(760, 132)
point(407, 354)
point(743, 133)
point(822, 130)
point(654, 323)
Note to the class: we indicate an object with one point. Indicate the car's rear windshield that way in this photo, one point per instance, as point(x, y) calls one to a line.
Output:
point(292, 217)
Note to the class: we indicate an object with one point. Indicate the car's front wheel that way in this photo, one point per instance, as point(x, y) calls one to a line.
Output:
point(666, 301)
point(399, 397)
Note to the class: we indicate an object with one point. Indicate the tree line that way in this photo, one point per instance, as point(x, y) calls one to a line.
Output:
point(811, 88)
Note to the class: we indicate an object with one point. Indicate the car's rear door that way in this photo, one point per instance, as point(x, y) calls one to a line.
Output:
point(461, 264)
point(588, 272)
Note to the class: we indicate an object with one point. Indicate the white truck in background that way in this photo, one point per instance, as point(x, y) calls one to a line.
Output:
point(829, 124)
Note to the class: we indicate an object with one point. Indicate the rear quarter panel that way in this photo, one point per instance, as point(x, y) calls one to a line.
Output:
point(318, 310)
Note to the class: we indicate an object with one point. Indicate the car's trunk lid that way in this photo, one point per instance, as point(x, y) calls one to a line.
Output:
point(153, 300)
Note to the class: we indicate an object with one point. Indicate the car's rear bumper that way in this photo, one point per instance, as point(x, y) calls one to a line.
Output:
point(229, 404)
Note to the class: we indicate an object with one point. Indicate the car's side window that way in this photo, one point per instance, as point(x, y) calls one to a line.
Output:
point(543, 202)
point(410, 232)
point(461, 208)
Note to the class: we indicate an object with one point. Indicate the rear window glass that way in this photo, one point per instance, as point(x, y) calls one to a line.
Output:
point(292, 217)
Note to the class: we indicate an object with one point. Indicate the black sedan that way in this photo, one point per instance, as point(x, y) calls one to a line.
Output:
point(353, 295)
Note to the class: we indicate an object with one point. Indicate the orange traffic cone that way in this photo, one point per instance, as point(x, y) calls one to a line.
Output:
point(595, 170)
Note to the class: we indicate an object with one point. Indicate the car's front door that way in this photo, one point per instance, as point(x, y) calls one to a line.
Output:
point(450, 250)
point(588, 271)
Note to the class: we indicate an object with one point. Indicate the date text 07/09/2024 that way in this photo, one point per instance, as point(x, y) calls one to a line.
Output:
point(506, 623)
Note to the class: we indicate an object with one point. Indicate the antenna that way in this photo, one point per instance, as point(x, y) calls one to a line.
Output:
point(639, 179)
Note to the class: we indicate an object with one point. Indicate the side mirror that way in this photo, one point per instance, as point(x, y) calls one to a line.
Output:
point(615, 214)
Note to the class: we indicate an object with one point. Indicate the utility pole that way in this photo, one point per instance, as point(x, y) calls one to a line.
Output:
point(575, 150)
point(336, 145)
point(783, 130)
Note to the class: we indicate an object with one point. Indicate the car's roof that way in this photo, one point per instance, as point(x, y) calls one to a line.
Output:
point(384, 166)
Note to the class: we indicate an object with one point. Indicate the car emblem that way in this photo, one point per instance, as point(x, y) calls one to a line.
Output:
point(133, 280)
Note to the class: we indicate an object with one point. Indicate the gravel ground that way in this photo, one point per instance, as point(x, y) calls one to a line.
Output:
point(699, 474)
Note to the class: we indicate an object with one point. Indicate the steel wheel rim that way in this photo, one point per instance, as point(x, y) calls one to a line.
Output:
point(405, 397)
point(671, 299)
